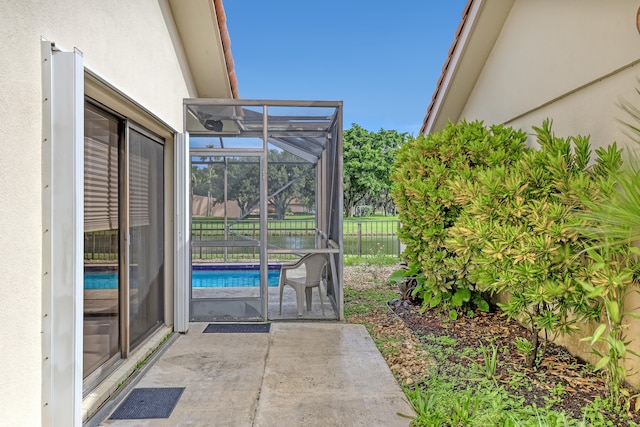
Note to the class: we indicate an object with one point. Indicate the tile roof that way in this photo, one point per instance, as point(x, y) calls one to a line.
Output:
point(226, 47)
point(445, 67)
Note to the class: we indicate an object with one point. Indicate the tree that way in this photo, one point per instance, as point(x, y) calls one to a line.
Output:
point(243, 177)
point(243, 183)
point(287, 178)
point(199, 180)
point(368, 159)
point(202, 179)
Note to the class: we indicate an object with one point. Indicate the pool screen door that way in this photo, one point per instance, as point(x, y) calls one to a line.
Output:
point(227, 280)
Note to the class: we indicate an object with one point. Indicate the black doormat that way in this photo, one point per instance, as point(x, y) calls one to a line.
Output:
point(237, 328)
point(143, 403)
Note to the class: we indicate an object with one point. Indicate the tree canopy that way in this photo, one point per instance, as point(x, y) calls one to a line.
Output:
point(289, 178)
point(368, 159)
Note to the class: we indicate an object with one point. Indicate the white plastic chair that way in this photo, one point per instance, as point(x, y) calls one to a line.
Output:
point(314, 266)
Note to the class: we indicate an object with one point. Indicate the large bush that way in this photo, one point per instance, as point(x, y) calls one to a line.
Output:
point(549, 229)
point(427, 206)
point(518, 233)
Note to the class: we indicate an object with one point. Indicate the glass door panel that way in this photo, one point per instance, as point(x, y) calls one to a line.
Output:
point(146, 231)
point(226, 280)
point(101, 336)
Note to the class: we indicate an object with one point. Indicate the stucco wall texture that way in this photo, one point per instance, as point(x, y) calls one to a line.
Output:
point(570, 61)
point(128, 44)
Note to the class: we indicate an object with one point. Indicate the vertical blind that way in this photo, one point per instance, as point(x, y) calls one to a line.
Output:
point(101, 176)
point(100, 171)
point(139, 180)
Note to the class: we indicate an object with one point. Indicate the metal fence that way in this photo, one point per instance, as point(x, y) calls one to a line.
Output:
point(371, 237)
point(361, 238)
point(101, 245)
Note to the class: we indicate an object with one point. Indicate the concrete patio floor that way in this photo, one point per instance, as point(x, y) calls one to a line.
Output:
point(298, 374)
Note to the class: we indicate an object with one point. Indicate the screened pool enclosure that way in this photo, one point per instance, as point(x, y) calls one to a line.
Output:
point(265, 192)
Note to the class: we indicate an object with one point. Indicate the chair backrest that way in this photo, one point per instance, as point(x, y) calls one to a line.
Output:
point(314, 264)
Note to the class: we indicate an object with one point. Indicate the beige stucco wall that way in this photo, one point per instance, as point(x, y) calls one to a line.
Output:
point(583, 348)
point(571, 61)
point(128, 44)
point(592, 111)
point(549, 49)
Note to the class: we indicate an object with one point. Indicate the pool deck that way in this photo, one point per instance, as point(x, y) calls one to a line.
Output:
point(299, 374)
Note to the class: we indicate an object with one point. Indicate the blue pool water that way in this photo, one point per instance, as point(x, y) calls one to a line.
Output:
point(201, 277)
point(100, 280)
point(231, 278)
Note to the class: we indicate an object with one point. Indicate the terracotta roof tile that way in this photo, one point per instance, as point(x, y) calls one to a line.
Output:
point(445, 67)
point(226, 47)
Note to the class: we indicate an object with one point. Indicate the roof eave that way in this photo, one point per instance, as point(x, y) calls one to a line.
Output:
point(475, 37)
point(202, 28)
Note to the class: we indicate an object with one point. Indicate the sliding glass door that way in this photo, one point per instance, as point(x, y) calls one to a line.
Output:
point(124, 239)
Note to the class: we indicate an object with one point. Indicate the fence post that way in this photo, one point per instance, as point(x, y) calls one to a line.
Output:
point(398, 239)
point(359, 238)
point(225, 236)
point(114, 248)
point(200, 248)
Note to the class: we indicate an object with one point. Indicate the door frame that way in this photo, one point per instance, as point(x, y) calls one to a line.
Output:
point(235, 308)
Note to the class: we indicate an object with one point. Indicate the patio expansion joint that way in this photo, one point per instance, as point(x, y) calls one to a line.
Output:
point(264, 369)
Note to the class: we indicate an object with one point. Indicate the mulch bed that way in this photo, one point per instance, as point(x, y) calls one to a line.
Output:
point(579, 384)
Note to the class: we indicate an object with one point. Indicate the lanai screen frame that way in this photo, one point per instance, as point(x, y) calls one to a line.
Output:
point(303, 135)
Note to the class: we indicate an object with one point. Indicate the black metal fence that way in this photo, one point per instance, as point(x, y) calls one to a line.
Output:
point(371, 237)
point(360, 237)
point(101, 245)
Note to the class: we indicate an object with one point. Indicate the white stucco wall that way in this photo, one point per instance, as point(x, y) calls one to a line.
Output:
point(125, 42)
point(549, 49)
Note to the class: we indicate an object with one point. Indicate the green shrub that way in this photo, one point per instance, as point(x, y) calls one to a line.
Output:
point(482, 214)
point(518, 232)
point(427, 206)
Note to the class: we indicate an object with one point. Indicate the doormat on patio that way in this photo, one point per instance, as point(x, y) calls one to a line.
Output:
point(237, 328)
point(144, 403)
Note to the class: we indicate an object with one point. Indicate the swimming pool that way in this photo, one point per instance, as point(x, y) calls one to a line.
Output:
point(99, 280)
point(202, 276)
point(232, 276)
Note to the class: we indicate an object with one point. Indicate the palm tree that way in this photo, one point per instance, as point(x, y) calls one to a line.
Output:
point(619, 219)
point(613, 258)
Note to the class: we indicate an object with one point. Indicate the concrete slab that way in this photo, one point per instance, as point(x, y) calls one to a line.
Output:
point(299, 374)
point(328, 374)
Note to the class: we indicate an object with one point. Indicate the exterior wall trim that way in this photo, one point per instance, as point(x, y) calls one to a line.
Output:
point(182, 235)
point(63, 219)
point(152, 122)
point(572, 91)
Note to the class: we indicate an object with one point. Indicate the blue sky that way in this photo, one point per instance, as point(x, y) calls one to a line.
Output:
point(382, 58)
